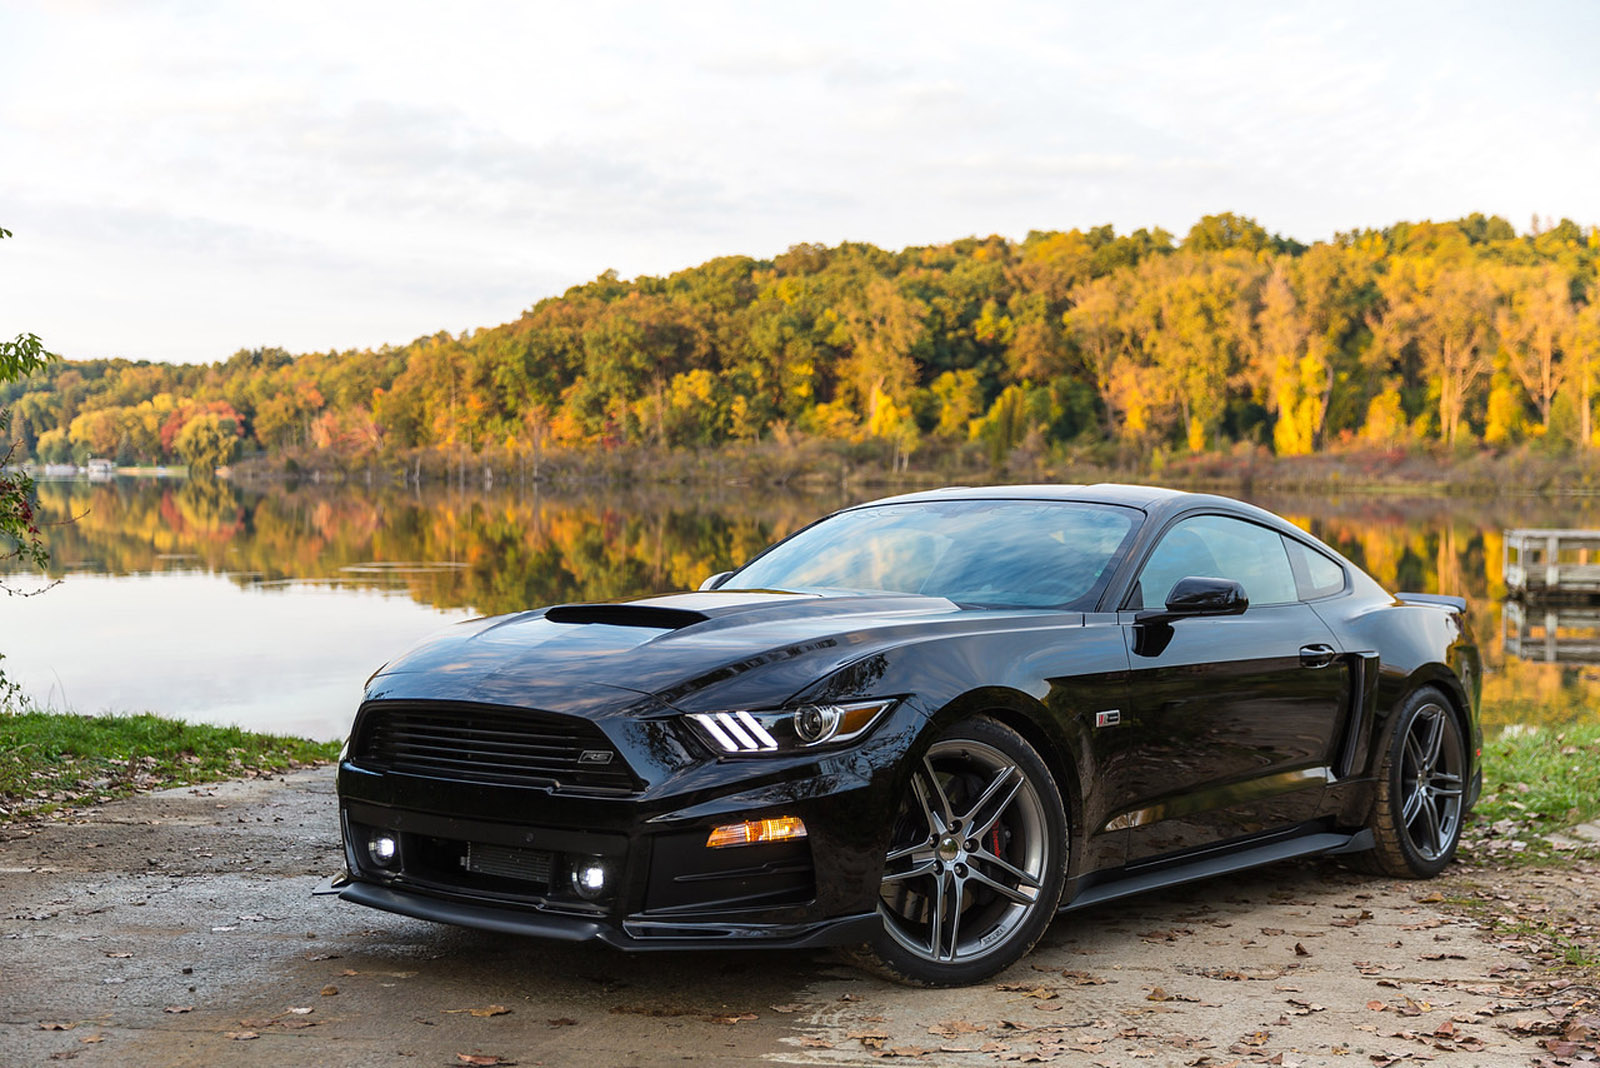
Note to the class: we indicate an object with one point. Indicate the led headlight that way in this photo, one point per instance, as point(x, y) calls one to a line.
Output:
point(751, 733)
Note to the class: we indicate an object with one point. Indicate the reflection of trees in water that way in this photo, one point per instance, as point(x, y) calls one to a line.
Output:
point(1451, 545)
point(495, 552)
point(507, 550)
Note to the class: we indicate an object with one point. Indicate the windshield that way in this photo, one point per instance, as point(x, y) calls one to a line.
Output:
point(1023, 554)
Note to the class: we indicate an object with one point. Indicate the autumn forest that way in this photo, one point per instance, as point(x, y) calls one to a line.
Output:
point(1445, 336)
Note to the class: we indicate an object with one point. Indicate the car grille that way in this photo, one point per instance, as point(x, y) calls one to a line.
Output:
point(477, 743)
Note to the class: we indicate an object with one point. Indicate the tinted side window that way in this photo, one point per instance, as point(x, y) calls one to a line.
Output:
point(1214, 546)
point(1317, 575)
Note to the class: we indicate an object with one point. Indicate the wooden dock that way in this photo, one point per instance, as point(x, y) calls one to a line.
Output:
point(1552, 564)
point(1551, 634)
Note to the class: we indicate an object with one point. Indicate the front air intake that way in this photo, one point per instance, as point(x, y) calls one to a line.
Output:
point(490, 744)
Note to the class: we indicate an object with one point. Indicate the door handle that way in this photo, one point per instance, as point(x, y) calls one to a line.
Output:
point(1316, 656)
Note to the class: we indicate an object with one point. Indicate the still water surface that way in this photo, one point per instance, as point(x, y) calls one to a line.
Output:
point(269, 608)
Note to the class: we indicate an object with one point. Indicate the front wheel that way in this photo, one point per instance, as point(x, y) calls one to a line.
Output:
point(1421, 800)
point(976, 861)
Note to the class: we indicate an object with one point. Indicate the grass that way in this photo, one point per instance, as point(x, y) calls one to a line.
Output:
point(57, 760)
point(1536, 782)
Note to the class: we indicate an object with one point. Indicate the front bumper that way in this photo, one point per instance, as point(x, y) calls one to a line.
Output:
point(499, 857)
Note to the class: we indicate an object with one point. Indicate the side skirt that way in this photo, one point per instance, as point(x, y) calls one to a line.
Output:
point(1215, 864)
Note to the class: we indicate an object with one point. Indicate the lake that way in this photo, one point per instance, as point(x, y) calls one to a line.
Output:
point(269, 608)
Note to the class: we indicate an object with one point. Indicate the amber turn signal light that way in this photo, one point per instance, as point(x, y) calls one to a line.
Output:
point(754, 832)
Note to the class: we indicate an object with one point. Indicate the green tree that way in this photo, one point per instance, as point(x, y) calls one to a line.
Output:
point(19, 529)
point(206, 442)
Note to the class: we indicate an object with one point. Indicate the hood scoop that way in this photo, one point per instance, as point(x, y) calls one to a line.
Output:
point(654, 617)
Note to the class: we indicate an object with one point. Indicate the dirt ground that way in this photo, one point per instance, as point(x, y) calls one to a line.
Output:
point(179, 929)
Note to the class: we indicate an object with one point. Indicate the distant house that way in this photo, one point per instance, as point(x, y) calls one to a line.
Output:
point(100, 468)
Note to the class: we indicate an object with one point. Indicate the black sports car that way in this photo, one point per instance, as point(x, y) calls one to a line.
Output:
point(923, 725)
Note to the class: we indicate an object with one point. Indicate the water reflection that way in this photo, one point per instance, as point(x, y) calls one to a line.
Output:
point(422, 557)
point(1553, 634)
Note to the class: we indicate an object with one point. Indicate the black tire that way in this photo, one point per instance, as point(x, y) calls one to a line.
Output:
point(1420, 801)
point(976, 863)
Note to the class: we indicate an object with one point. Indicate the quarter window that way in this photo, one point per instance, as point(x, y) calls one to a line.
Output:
point(1318, 576)
point(1214, 546)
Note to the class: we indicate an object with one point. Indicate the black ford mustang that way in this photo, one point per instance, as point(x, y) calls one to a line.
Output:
point(923, 725)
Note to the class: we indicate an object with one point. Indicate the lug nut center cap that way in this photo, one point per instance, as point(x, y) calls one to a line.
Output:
point(948, 849)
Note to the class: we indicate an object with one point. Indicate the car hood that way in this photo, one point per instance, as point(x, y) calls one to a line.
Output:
point(687, 651)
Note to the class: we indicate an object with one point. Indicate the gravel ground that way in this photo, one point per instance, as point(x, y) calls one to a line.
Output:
point(178, 928)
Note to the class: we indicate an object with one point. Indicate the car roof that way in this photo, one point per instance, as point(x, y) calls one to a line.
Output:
point(1157, 502)
point(1143, 497)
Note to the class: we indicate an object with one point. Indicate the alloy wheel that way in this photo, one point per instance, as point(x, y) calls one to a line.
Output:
point(1431, 781)
point(967, 866)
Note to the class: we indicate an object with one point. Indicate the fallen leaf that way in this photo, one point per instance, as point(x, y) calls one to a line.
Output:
point(175, 1009)
point(492, 1010)
point(119, 956)
point(813, 1042)
point(329, 991)
point(951, 1028)
point(733, 1018)
point(87, 1039)
point(1300, 950)
point(43, 1026)
point(786, 1008)
point(301, 1011)
point(1083, 978)
point(1027, 990)
point(240, 1036)
point(483, 1060)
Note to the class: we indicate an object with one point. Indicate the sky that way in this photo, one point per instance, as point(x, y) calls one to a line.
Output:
point(186, 179)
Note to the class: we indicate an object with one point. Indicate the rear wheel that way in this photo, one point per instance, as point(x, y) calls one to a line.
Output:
point(976, 862)
point(1421, 799)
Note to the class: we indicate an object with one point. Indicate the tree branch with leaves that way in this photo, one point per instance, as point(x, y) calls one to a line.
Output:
point(19, 528)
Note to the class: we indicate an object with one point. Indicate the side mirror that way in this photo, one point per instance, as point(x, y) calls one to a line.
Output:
point(1194, 596)
point(719, 578)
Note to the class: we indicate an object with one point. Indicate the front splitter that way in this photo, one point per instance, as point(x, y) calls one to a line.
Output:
point(638, 934)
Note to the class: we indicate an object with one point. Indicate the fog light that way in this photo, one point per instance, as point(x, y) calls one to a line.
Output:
point(754, 832)
point(382, 848)
point(589, 878)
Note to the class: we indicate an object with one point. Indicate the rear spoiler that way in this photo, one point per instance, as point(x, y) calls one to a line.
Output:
point(1442, 599)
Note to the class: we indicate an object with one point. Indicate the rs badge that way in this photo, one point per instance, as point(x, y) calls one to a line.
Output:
point(595, 756)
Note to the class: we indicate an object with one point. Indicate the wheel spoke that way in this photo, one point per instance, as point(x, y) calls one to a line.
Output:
point(1006, 866)
point(944, 800)
point(1413, 754)
point(1430, 821)
point(936, 825)
point(970, 825)
point(1435, 743)
point(925, 868)
point(955, 918)
point(909, 851)
point(936, 934)
point(1000, 888)
point(1413, 805)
